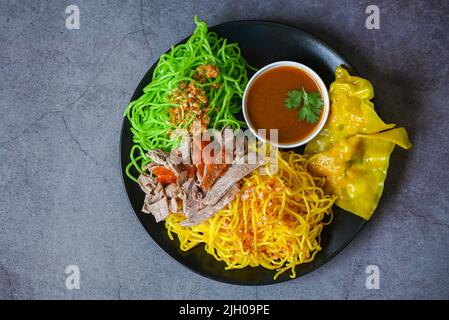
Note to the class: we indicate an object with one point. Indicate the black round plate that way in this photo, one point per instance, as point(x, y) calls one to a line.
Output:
point(261, 43)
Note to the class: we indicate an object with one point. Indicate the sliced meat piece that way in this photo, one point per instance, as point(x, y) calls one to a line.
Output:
point(190, 170)
point(173, 205)
point(162, 158)
point(173, 191)
point(158, 209)
point(146, 203)
point(159, 191)
point(147, 183)
point(182, 178)
point(231, 177)
point(210, 211)
point(192, 198)
point(198, 177)
point(158, 194)
point(149, 200)
point(159, 157)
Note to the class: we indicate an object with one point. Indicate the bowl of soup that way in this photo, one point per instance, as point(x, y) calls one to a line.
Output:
point(274, 99)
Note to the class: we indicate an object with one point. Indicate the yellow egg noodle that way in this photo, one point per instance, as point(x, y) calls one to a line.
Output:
point(275, 221)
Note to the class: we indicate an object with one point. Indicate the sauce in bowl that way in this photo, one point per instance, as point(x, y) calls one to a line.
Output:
point(264, 102)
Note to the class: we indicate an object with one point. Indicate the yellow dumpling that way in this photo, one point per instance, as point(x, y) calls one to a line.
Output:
point(353, 150)
point(397, 136)
point(351, 112)
point(356, 168)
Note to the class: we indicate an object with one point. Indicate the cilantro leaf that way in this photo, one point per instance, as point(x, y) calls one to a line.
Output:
point(307, 115)
point(293, 99)
point(312, 104)
point(315, 101)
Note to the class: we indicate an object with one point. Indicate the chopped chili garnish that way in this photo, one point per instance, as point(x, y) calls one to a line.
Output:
point(163, 175)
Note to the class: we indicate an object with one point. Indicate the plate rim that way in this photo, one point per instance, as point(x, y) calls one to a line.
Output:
point(123, 166)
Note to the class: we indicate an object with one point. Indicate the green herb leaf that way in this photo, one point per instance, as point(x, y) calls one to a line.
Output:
point(308, 115)
point(293, 99)
point(311, 104)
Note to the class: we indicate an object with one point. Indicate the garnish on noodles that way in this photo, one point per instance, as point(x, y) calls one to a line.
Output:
point(275, 221)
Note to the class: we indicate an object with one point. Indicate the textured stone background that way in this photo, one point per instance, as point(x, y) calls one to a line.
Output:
point(62, 94)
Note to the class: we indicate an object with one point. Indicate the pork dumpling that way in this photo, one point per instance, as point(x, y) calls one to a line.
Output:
point(351, 112)
point(352, 152)
point(355, 169)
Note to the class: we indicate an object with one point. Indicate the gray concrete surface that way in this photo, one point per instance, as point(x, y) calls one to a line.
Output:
point(62, 94)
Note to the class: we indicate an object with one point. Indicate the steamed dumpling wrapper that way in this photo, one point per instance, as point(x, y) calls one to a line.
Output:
point(351, 112)
point(356, 168)
point(353, 150)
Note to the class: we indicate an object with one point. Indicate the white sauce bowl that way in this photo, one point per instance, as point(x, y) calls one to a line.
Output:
point(324, 95)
